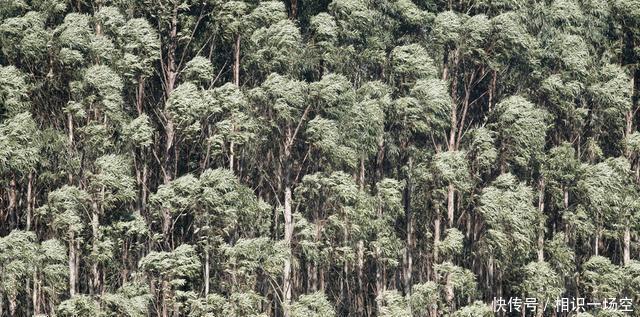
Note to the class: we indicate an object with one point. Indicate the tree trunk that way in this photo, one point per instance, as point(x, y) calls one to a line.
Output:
point(236, 81)
point(450, 205)
point(207, 268)
point(70, 124)
point(436, 236)
point(171, 73)
point(95, 223)
point(627, 245)
point(492, 89)
point(13, 201)
point(34, 294)
point(541, 227)
point(408, 256)
point(29, 198)
point(165, 298)
point(294, 9)
point(72, 265)
point(288, 236)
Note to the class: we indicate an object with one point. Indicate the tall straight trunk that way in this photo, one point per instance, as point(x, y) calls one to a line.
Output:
point(436, 236)
point(72, 265)
point(236, 81)
point(408, 256)
point(207, 268)
point(34, 294)
point(450, 205)
point(70, 139)
point(288, 236)
point(95, 223)
point(294, 9)
point(361, 283)
point(492, 89)
point(596, 242)
point(171, 74)
point(13, 200)
point(361, 280)
point(490, 274)
point(541, 226)
point(140, 94)
point(165, 298)
point(627, 245)
point(124, 273)
point(29, 198)
point(380, 285)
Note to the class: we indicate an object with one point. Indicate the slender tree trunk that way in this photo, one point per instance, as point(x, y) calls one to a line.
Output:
point(236, 81)
point(165, 298)
point(12, 305)
point(294, 9)
point(436, 236)
point(72, 265)
point(541, 227)
point(627, 245)
point(288, 236)
point(140, 94)
point(29, 198)
point(596, 242)
point(95, 223)
point(70, 136)
point(13, 200)
point(361, 283)
point(408, 256)
point(34, 294)
point(492, 89)
point(171, 74)
point(450, 205)
point(207, 268)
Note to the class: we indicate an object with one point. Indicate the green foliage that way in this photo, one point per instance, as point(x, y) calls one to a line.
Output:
point(423, 296)
point(175, 267)
point(276, 48)
point(507, 208)
point(452, 244)
point(139, 131)
point(541, 282)
point(186, 108)
point(483, 150)
point(199, 70)
point(13, 94)
point(451, 168)
point(79, 305)
point(392, 304)
point(19, 146)
point(601, 279)
point(312, 305)
point(130, 300)
point(477, 309)
point(65, 208)
point(522, 129)
point(412, 62)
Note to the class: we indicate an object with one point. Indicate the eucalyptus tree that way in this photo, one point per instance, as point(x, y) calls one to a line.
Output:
point(19, 250)
point(67, 209)
point(281, 102)
point(511, 219)
point(168, 273)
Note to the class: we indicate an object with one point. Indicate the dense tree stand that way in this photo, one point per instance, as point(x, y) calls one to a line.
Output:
point(317, 158)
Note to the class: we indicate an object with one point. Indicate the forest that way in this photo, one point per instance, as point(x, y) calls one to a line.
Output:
point(317, 158)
